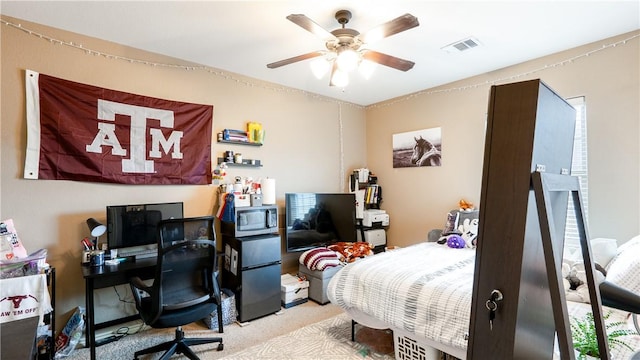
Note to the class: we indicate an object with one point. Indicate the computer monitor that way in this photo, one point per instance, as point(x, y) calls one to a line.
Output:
point(136, 225)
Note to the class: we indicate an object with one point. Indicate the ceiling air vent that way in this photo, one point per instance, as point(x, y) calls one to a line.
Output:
point(462, 45)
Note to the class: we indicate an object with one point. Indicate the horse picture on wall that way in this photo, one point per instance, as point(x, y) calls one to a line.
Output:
point(417, 148)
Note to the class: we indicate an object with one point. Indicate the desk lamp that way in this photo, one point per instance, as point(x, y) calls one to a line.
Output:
point(97, 229)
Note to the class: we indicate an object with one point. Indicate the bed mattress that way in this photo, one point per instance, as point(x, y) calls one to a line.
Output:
point(423, 290)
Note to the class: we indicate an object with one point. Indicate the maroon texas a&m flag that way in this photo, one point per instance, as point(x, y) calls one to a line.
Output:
point(86, 133)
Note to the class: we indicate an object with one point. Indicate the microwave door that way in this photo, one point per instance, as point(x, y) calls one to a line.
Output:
point(251, 220)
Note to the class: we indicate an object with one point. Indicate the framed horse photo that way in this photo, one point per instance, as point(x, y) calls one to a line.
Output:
point(417, 148)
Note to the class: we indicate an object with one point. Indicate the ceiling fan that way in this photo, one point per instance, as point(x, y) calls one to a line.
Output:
point(345, 47)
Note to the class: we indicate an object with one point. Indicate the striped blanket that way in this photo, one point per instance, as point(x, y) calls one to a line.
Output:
point(424, 289)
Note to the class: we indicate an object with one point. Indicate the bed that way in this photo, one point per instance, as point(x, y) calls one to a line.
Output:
point(383, 291)
point(422, 292)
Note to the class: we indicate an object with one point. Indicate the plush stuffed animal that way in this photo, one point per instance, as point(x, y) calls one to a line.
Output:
point(566, 269)
point(576, 288)
point(351, 251)
point(455, 241)
point(465, 205)
point(469, 230)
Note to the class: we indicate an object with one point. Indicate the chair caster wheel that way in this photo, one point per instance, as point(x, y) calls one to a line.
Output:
point(220, 347)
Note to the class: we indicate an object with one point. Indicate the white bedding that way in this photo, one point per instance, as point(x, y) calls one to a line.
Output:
point(423, 289)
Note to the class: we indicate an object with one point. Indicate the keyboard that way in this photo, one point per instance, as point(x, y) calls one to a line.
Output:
point(138, 253)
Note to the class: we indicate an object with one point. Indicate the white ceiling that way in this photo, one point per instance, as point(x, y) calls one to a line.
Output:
point(243, 36)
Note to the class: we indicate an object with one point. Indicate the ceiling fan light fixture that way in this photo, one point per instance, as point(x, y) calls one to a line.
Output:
point(347, 59)
point(366, 68)
point(340, 78)
point(320, 67)
point(374, 35)
point(343, 52)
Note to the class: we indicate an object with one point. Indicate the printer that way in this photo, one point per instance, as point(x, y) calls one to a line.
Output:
point(373, 217)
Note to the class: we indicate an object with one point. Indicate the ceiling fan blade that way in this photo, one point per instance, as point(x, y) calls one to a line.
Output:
point(294, 59)
point(334, 68)
point(304, 22)
point(388, 60)
point(399, 24)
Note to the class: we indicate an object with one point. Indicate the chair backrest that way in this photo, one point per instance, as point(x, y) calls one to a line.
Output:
point(186, 266)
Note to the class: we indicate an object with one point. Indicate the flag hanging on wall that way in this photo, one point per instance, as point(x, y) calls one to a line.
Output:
point(86, 133)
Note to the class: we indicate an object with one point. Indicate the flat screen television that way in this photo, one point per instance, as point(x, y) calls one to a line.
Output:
point(130, 226)
point(319, 219)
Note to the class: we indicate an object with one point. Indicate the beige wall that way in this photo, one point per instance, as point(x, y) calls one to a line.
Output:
point(304, 148)
point(417, 199)
point(312, 143)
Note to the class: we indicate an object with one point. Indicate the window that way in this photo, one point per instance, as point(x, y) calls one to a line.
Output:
point(579, 169)
point(299, 205)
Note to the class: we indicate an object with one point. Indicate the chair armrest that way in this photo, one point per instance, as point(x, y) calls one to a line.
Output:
point(620, 298)
point(137, 284)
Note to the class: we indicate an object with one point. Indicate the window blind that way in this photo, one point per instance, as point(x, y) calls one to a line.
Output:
point(579, 169)
point(301, 205)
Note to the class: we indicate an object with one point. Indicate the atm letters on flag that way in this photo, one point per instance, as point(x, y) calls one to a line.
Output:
point(87, 133)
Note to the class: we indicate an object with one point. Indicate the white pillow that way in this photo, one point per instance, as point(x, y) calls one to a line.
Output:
point(603, 250)
point(635, 241)
point(624, 268)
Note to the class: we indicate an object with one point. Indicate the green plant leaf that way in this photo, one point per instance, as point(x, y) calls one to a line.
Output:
point(585, 339)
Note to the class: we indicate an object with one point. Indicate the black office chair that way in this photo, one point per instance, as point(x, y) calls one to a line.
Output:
point(185, 287)
point(622, 299)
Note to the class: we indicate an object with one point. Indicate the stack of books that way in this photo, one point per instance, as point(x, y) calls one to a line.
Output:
point(235, 135)
point(372, 194)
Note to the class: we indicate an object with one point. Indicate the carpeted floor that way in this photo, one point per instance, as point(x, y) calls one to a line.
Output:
point(328, 339)
point(307, 331)
point(304, 332)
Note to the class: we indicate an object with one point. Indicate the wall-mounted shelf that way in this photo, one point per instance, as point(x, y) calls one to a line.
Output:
point(243, 164)
point(240, 142)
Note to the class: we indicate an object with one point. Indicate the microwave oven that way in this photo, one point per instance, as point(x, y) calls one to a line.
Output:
point(251, 220)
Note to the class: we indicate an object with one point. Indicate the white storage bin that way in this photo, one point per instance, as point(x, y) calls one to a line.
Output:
point(294, 291)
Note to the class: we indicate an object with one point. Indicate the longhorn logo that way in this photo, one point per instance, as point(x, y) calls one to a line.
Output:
point(17, 300)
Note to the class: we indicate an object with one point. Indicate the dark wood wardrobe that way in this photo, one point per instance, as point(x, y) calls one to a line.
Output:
point(529, 128)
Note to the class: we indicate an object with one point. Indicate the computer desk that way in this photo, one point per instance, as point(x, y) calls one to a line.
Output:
point(98, 277)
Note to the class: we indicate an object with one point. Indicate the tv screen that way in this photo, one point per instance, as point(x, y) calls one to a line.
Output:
point(136, 225)
point(319, 219)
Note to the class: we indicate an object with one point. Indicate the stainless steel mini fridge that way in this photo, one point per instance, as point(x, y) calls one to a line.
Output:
point(252, 267)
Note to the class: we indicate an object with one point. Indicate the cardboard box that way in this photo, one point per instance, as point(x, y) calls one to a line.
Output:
point(294, 291)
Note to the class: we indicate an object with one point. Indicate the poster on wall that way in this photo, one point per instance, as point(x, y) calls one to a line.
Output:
point(417, 148)
point(86, 133)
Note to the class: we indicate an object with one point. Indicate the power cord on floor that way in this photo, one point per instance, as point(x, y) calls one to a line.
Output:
point(120, 333)
point(121, 298)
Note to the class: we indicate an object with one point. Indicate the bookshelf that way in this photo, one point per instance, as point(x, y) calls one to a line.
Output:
point(243, 138)
point(372, 196)
point(369, 194)
point(245, 163)
point(237, 142)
